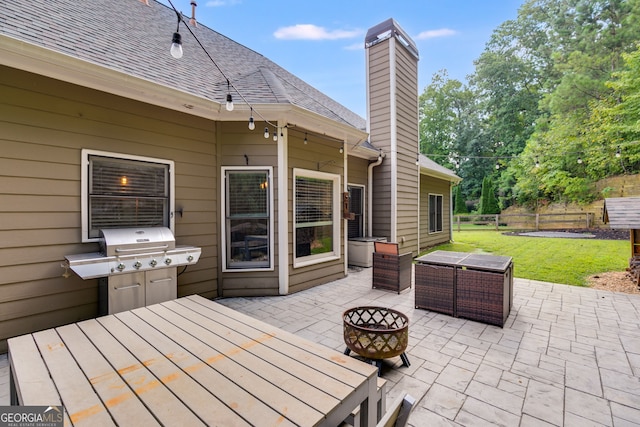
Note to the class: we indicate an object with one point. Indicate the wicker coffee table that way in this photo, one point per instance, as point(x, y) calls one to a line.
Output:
point(376, 333)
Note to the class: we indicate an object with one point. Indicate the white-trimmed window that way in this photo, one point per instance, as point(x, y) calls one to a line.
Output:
point(435, 213)
point(120, 191)
point(316, 207)
point(247, 228)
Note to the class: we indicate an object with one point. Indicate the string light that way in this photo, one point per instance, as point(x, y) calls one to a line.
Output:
point(618, 152)
point(252, 124)
point(176, 41)
point(341, 149)
point(266, 133)
point(305, 138)
point(579, 160)
point(537, 163)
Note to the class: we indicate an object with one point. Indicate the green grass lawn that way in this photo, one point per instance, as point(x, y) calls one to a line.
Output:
point(556, 260)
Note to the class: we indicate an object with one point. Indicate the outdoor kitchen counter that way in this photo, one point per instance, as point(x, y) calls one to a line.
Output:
point(474, 286)
point(189, 361)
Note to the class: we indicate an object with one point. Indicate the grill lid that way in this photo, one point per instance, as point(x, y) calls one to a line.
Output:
point(125, 241)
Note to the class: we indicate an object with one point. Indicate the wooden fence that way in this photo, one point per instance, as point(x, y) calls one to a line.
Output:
point(524, 222)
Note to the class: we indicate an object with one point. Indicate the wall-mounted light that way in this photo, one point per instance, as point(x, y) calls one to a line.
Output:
point(123, 180)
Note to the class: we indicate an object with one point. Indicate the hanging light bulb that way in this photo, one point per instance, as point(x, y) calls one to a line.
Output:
point(229, 102)
point(418, 160)
point(579, 160)
point(176, 45)
point(266, 132)
point(341, 149)
point(497, 165)
point(229, 98)
point(618, 152)
point(176, 42)
point(252, 124)
point(275, 135)
point(305, 138)
point(537, 163)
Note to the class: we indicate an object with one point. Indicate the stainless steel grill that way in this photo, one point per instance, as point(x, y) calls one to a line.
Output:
point(135, 267)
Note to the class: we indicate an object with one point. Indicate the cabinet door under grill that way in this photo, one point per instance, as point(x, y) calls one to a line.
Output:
point(161, 285)
point(126, 292)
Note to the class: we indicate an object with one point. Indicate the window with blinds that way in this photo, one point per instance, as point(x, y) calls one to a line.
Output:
point(247, 227)
point(435, 213)
point(316, 227)
point(127, 193)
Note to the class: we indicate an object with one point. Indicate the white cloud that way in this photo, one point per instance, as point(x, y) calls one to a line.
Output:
point(355, 46)
point(312, 32)
point(432, 34)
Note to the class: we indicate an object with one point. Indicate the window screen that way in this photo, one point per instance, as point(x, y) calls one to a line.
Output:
point(127, 193)
point(314, 215)
point(247, 219)
point(435, 213)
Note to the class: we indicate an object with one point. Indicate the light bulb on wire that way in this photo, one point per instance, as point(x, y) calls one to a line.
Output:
point(252, 124)
point(176, 41)
point(618, 152)
point(266, 132)
point(229, 102)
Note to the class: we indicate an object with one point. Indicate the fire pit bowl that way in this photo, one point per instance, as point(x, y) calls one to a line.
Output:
point(376, 333)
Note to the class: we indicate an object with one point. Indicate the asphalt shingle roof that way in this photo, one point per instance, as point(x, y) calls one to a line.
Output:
point(130, 37)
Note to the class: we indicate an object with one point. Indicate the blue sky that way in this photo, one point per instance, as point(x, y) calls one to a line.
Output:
point(322, 42)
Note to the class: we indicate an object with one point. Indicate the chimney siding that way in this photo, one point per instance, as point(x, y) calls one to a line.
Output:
point(392, 107)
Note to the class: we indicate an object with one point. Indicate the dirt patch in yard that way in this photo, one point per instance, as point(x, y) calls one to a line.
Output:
point(615, 281)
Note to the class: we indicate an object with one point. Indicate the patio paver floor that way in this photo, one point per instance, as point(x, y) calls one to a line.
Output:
point(566, 355)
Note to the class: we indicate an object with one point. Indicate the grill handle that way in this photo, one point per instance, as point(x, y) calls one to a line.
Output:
point(168, 279)
point(146, 248)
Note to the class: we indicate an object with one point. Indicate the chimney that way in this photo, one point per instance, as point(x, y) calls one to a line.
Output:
point(392, 122)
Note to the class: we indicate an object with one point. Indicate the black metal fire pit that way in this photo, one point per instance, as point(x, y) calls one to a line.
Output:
point(376, 333)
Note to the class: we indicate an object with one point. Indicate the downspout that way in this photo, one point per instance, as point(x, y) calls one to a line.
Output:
point(370, 191)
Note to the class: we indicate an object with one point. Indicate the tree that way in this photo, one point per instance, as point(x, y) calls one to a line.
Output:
point(488, 200)
point(460, 206)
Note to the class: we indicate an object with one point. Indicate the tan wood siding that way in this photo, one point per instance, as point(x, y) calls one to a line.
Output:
point(431, 185)
point(407, 144)
point(324, 156)
point(236, 141)
point(44, 126)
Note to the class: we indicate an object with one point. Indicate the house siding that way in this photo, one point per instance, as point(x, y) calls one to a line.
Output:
point(44, 125)
point(431, 185)
point(236, 142)
point(323, 156)
point(385, 58)
point(407, 140)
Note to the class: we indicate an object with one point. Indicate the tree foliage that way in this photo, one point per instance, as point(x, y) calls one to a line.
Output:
point(460, 207)
point(554, 97)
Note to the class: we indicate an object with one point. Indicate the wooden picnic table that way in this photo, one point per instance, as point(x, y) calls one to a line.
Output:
point(190, 361)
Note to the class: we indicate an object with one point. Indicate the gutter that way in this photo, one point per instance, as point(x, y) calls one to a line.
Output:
point(370, 191)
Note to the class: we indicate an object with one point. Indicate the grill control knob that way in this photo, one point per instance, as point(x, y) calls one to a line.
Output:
point(137, 265)
point(167, 261)
point(120, 267)
point(153, 263)
point(190, 258)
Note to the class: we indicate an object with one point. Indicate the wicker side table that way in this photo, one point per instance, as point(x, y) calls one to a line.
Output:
point(392, 272)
